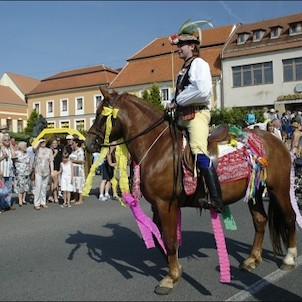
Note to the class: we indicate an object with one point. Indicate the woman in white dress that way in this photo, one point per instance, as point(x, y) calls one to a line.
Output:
point(77, 157)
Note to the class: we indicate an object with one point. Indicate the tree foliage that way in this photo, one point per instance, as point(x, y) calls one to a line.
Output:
point(234, 116)
point(31, 122)
point(153, 96)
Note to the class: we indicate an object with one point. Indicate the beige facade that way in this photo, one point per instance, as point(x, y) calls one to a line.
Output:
point(67, 109)
point(13, 106)
point(70, 99)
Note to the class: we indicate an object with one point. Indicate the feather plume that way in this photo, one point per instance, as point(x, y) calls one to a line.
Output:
point(189, 27)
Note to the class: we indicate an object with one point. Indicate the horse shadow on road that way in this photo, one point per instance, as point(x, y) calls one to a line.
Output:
point(126, 252)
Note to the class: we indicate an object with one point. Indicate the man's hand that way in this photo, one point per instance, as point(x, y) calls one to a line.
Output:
point(171, 105)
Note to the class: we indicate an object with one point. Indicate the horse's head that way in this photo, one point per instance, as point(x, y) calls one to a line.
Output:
point(106, 114)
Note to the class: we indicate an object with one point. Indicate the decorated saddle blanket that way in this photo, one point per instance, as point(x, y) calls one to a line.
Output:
point(234, 161)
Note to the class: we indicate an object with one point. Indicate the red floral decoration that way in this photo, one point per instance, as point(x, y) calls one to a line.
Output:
point(174, 39)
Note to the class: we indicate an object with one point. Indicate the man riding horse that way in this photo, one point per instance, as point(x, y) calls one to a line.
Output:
point(191, 99)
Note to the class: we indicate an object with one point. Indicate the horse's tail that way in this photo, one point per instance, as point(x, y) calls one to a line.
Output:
point(277, 228)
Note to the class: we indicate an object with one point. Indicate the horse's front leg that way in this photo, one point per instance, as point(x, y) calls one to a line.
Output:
point(169, 222)
point(259, 220)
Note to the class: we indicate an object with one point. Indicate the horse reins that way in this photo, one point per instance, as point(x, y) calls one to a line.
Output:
point(146, 130)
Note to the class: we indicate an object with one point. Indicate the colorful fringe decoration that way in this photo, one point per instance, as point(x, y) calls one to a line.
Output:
point(228, 219)
point(109, 112)
point(293, 198)
point(146, 226)
point(224, 263)
point(91, 174)
point(257, 159)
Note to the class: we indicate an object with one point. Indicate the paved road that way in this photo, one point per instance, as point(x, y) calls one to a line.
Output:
point(94, 252)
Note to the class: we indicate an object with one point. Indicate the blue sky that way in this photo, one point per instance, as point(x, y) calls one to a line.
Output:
point(42, 38)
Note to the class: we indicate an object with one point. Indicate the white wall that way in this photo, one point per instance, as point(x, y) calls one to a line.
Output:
point(257, 95)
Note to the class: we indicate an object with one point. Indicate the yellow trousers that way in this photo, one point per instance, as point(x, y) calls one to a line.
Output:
point(198, 129)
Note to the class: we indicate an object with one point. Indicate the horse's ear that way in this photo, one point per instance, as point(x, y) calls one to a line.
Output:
point(105, 93)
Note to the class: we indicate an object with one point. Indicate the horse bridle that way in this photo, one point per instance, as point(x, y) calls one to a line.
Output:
point(146, 130)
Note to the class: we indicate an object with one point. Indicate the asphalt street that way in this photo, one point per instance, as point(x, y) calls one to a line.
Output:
point(95, 252)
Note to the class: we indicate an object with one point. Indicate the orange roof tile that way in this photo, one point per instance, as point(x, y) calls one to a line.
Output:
point(8, 96)
point(85, 77)
point(25, 84)
point(284, 41)
point(159, 68)
point(154, 62)
point(210, 37)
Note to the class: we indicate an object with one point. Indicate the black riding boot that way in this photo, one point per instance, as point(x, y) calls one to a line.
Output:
point(213, 185)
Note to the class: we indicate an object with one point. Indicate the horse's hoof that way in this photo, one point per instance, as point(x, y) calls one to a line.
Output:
point(287, 267)
point(162, 290)
point(246, 268)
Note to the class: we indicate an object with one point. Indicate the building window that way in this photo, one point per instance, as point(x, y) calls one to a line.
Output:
point(295, 29)
point(258, 35)
point(64, 107)
point(50, 125)
point(80, 125)
point(9, 124)
point(36, 106)
point(79, 104)
point(165, 94)
point(275, 32)
point(292, 69)
point(97, 100)
point(49, 107)
point(64, 124)
point(20, 126)
point(242, 38)
point(255, 74)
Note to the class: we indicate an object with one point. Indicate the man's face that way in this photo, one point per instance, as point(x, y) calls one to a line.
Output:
point(185, 51)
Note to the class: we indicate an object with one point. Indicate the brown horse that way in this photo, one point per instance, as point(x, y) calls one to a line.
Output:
point(151, 142)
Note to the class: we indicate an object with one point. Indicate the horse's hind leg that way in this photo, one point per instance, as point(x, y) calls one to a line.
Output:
point(168, 218)
point(259, 220)
point(283, 226)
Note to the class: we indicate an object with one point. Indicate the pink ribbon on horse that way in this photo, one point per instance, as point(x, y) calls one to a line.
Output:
point(146, 225)
point(224, 263)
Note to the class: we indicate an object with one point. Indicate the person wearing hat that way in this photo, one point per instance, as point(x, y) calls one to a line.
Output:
point(272, 114)
point(295, 139)
point(68, 147)
point(191, 99)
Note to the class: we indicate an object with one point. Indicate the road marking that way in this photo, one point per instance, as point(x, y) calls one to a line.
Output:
point(259, 285)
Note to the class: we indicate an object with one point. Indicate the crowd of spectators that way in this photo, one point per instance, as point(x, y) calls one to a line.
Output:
point(286, 126)
point(52, 170)
point(40, 173)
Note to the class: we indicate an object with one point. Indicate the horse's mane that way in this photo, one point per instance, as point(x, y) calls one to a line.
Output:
point(147, 108)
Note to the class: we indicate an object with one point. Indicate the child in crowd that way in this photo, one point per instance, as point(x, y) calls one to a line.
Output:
point(66, 172)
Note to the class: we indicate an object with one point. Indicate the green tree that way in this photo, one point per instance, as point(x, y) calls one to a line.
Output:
point(234, 116)
point(31, 122)
point(153, 96)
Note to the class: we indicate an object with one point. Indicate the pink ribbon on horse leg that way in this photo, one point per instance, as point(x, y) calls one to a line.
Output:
point(146, 225)
point(224, 263)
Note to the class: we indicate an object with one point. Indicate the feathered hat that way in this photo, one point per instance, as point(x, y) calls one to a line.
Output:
point(187, 33)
